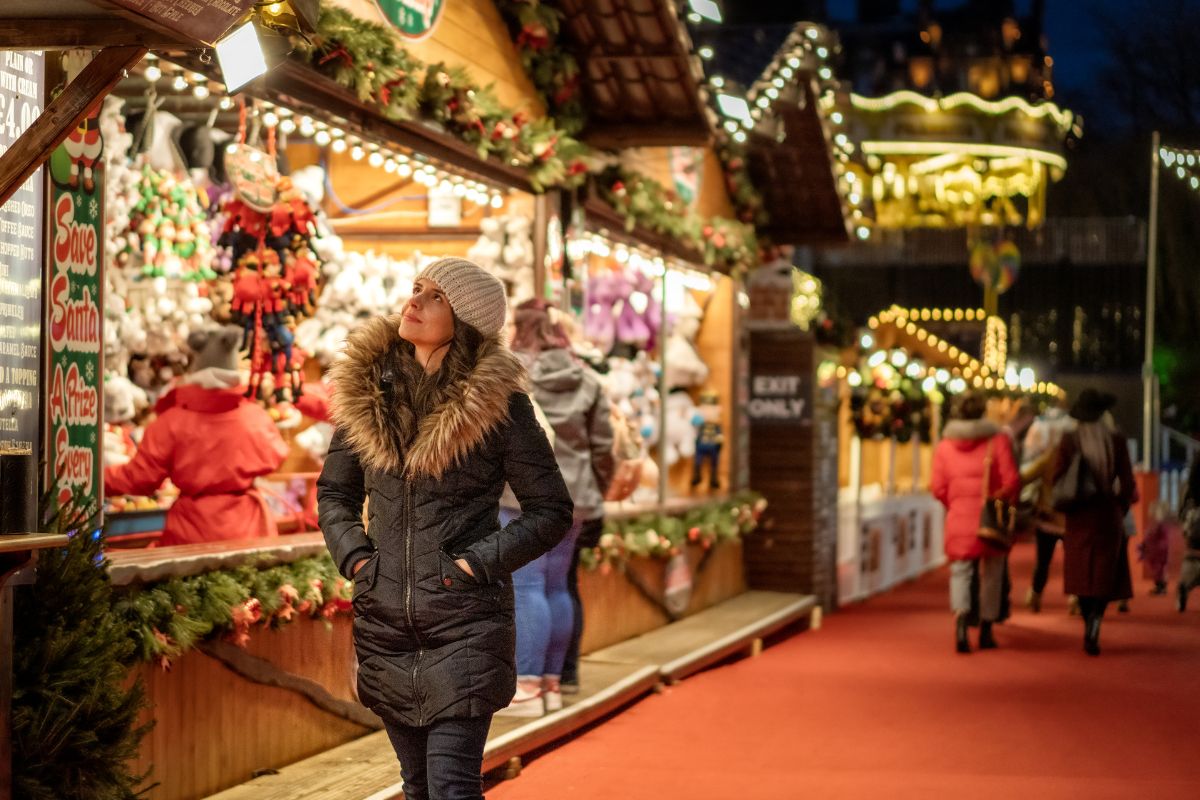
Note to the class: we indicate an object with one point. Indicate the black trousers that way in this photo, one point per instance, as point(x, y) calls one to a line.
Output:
point(1045, 554)
point(442, 761)
point(589, 537)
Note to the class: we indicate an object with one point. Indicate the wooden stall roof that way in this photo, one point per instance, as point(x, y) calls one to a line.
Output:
point(642, 83)
point(795, 176)
point(790, 154)
point(61, 24)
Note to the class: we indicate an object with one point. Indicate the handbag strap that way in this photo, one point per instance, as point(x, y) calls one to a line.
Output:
point(987, 469)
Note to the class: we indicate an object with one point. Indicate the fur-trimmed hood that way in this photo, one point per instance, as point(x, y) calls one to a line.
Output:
point(447, 433)
point(969, 431)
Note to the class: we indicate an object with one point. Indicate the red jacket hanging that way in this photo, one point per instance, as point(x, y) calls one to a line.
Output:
point(212, 444)
point(957, 482)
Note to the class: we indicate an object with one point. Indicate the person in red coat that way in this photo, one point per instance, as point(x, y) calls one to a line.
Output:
point(212, 443)
point(970, 446)
point(1095, 549)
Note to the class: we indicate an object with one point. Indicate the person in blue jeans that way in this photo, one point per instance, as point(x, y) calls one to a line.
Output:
point(572, 401)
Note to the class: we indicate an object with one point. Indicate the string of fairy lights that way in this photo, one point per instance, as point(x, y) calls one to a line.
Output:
point(1183, 164)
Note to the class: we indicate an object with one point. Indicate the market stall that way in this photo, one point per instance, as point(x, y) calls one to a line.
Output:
point(895, 386)
point(295, 208)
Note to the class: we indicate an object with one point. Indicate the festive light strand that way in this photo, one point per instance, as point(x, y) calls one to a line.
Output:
point(1183, 164)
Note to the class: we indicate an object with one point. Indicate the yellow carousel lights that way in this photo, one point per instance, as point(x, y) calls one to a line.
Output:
point(940, 364)
point(954, 161)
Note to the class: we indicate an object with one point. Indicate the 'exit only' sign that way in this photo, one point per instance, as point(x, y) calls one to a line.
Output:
point(778, 398)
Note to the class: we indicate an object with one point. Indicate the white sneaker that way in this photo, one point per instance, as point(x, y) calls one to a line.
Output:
point(552, 693)
point(527, 702)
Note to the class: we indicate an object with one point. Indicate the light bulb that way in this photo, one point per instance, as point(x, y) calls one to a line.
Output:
point(375, 159)
point(497, 201)
point(152, 73)
point(323, 138)
point(226, 103)
point(180, 83)
point(270, 119)
point(338, 145)
point(357, 153)
point(403, 169)
point(460, 190)
point(288, 125)
point(200, 91)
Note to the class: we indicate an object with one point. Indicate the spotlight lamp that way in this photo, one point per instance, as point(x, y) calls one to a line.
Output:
point(263, 39)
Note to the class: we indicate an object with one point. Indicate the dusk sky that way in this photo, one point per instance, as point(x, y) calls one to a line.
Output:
point(1070, 27)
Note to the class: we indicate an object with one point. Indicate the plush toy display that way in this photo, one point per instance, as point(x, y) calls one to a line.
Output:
point(621, 311)
point(680, 433)
point(122, 402)
point(505, 249)
point(357, 286)
point(685, 368)
point(709, 438)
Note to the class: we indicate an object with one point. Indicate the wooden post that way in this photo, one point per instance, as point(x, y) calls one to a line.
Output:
point(63, 114)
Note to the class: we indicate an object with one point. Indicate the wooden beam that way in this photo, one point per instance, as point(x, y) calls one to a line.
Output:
point(90, 34)
point(63, 114)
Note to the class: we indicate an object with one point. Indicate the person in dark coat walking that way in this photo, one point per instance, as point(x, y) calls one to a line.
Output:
point(1096, 557)
point(432, 420)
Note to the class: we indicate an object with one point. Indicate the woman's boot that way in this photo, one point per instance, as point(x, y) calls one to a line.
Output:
point(986, 640)
point(1091, 635)
point(961, 643)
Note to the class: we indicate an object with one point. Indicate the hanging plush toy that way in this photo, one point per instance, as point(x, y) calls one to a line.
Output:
point(709, 438)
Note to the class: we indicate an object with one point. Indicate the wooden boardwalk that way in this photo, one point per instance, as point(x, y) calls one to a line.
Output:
point(366, 769)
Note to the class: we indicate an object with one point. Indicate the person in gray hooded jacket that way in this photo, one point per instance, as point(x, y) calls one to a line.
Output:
point(573, 401)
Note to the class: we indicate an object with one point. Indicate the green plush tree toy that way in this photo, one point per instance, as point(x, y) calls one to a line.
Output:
point(74, 720)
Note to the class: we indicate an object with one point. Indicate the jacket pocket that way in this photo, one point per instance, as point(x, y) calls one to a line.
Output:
point(364, 580)
point(453, 577)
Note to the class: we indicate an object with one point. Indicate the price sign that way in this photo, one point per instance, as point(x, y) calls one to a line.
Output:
point(21, 98)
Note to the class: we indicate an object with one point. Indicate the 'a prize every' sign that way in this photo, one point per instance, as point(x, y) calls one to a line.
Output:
point(74, 370)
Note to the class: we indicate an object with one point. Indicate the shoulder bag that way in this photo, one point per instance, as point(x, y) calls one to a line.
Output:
point(998, 520)
point(1075, 486)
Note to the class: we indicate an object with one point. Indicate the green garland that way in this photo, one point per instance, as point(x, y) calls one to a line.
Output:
point(367, 59)
point(555, 73)
point(664, 535)
point(642, 201)
point(169, 618)
point(553, 70)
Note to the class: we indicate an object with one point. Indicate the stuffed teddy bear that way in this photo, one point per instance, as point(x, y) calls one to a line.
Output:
point(680, 433)
point(685, 368)
point(122, 402)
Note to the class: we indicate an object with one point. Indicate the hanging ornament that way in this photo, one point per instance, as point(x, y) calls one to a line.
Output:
point(995, 265)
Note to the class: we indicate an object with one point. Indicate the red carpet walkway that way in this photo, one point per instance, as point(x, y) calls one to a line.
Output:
point(877, 705)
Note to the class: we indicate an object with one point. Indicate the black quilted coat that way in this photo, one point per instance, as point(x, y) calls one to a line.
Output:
point(433, 642)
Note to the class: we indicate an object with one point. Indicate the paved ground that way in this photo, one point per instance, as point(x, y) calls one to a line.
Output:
point(877, 705)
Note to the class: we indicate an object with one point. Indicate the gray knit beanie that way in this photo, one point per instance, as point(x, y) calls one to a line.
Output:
point(476, 296)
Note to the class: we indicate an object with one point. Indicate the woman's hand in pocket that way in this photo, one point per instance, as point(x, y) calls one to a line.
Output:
point(462, 564)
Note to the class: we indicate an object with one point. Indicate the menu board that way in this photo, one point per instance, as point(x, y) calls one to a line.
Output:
point(200, 20)
point(21, 98)
point(74, 371)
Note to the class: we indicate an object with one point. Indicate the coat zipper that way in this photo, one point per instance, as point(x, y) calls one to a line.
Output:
point(408, 595)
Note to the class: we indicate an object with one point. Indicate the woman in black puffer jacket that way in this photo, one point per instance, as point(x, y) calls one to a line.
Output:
point(432, 420)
